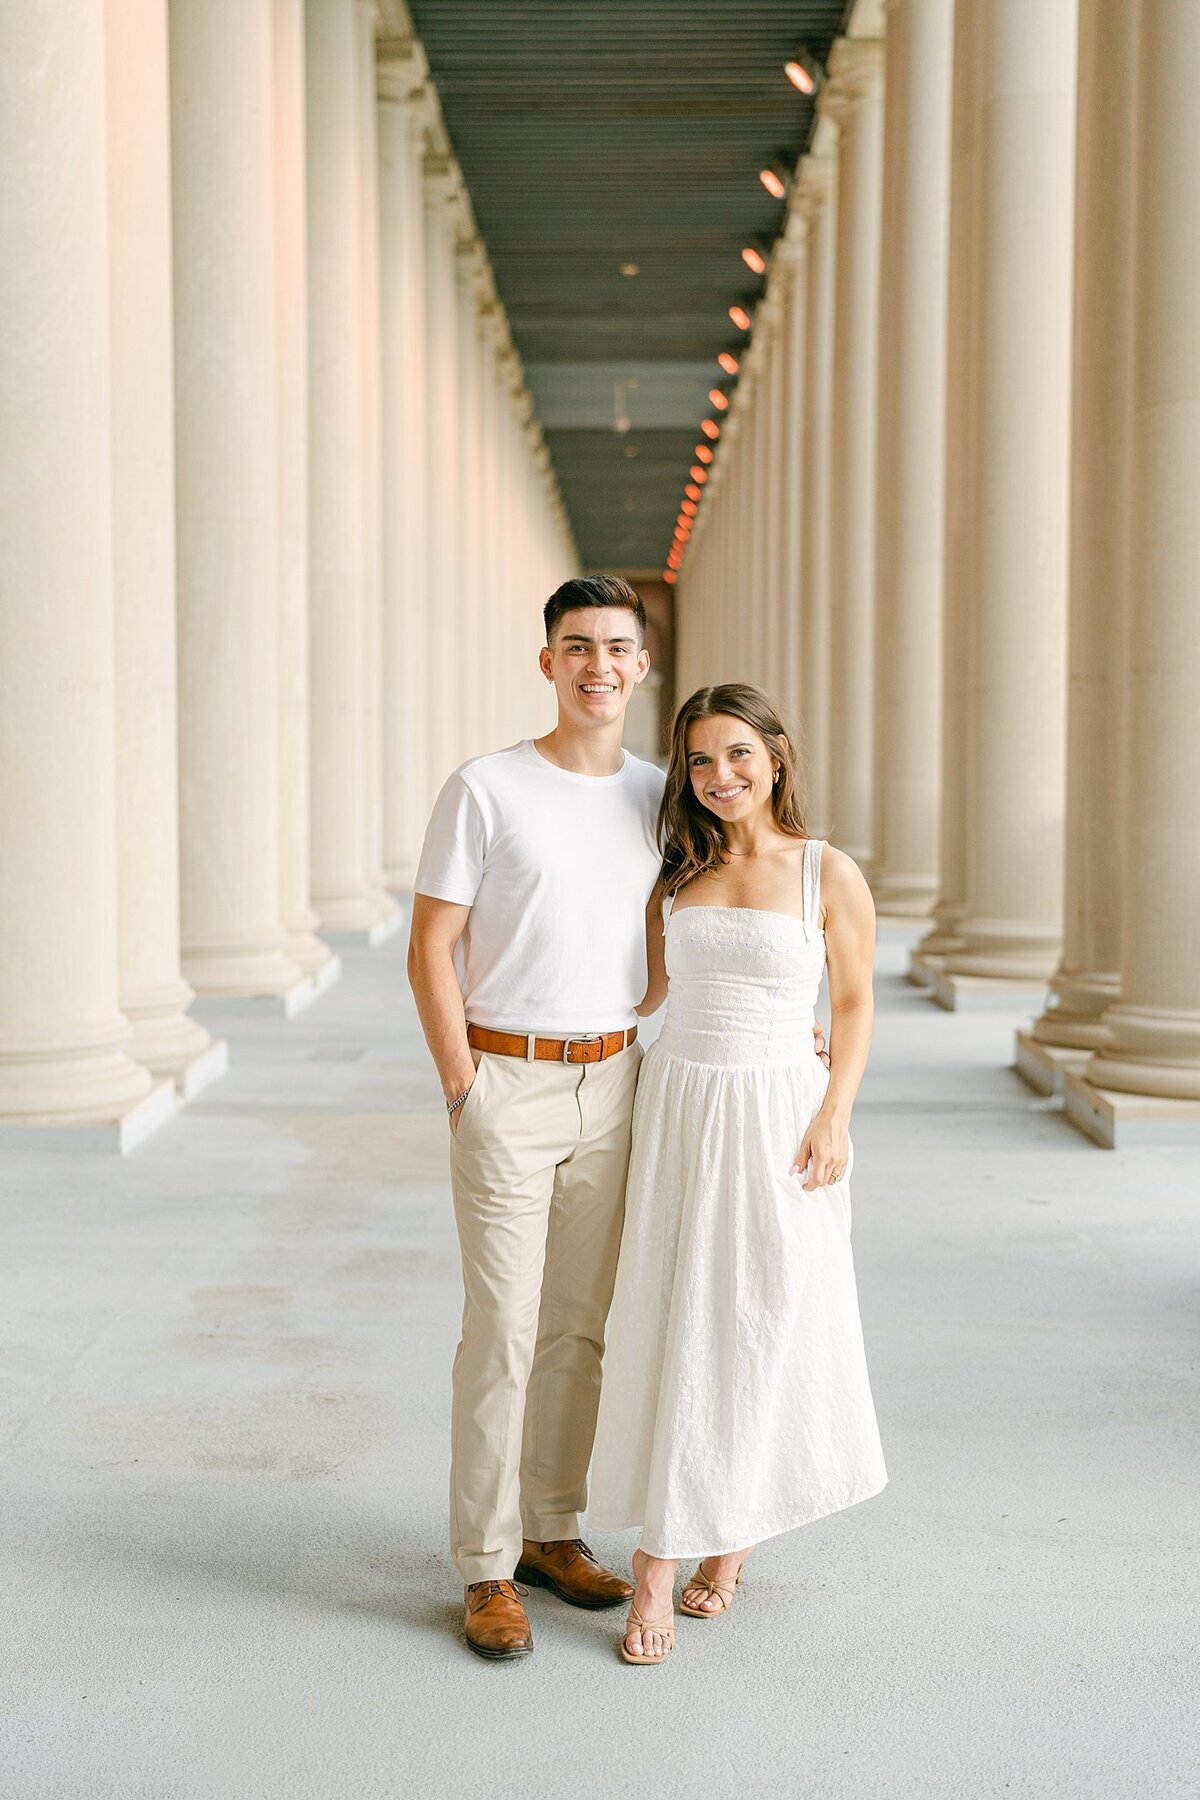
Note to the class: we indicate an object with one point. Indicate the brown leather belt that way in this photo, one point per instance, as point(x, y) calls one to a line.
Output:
point(587, 1047)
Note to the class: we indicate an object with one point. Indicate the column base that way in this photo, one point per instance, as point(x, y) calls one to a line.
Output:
point(218, 1008)
point(1118, 1121)
point(249, 968)
point(165, 1039)
point(119, 1129)
point(207, 1068)
point(1153, 1051)
point(308, 952)
point(1043, 1066)
point(956, 992)
point(922, 968)
point(376, 933)
point(901, 896)
point(400, 875)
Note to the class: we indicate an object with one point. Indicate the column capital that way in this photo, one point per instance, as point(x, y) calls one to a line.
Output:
point(401, 70)
point(443, 180)
point(855, 74)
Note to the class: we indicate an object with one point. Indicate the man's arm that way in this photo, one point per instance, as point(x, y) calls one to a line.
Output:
point(437, 926)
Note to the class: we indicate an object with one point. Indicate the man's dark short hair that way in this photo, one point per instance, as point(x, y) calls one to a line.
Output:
point(598, 591)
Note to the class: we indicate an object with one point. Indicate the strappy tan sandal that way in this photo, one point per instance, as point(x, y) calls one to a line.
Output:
point(635, 1621)
point(722, 1590)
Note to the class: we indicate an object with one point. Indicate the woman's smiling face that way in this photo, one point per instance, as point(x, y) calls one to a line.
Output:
point(732, 772)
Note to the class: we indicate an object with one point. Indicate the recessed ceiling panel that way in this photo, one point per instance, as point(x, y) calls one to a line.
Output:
point(612, 152)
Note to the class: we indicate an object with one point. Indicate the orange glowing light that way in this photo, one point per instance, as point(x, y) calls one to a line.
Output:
point(698, 475)
point(729, 362)
point(689, 507)
point(692, 491)
point(719, 400)
point(772, 183)
point(703, 453)
point(684, 522)
point(674, 558)
point(710, 428)
point(669, 577)
point(740, 317)
point(799, 77)
point(754, 259)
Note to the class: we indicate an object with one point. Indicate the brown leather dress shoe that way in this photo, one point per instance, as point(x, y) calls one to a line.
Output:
point(496, 1623)
point(573, 1572)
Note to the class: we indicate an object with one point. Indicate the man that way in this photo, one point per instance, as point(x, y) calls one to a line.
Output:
point(529, 922)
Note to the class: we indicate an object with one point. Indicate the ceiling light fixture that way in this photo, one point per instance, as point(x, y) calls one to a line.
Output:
point(703, 453)
point(692, 491)
point(630, 268)
point(698, 475)
point(729, 362)
point(776, 177)
point(689, 507)
point(804, 72)
point(669, 577)
point(710, 428)
point(740, 317)
point(754, 259)
point(718, 398)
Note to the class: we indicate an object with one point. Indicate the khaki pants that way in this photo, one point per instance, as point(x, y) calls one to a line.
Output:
point(538, 1165)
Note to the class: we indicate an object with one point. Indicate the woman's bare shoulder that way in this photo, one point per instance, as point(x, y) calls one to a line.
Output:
point(841, 877)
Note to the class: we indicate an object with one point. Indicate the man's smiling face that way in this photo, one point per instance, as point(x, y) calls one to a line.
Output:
point(595, 660)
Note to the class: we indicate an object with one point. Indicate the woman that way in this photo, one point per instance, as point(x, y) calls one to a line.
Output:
point(735, 1403)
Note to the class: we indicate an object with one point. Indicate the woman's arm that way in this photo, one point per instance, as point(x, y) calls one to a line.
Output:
point(656, 956)
point(849, 955)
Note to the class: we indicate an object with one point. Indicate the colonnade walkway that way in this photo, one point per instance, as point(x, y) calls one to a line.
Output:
point(225, 1421)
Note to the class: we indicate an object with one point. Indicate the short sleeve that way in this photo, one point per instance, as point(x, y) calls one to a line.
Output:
point(452, 856)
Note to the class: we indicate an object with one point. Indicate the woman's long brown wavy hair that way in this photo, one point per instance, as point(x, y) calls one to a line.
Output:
point(689, 836)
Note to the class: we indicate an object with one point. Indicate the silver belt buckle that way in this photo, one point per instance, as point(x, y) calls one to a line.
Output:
point(589, 1037)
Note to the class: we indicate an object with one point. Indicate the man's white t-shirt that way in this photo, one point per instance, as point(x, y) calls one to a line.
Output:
point(557, 869)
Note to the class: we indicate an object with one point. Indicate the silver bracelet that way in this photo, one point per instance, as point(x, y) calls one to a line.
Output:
point(455, 1104)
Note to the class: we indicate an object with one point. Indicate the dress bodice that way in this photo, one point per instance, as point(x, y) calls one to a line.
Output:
point(744, 981)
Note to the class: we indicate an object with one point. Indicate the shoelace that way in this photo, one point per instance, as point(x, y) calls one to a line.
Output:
point(498, 1587)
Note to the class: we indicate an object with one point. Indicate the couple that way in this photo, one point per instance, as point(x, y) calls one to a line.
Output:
point(562, 890)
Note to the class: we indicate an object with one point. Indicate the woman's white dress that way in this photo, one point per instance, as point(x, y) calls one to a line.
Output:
point(735, 1401)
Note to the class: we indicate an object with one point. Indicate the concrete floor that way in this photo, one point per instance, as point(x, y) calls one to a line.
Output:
point(224, 1372)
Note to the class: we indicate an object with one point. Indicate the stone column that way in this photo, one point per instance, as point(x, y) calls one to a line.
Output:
point(468, 671)
point(1086, 981)
point(791, 494)
point(772, 398)
point(372, 384)
point(291, 351)
point(912, 468)
point(1017, 616)
point(854, 99)
point(1145, 1081)
point(153, 995)
point(491, 624)
point(340, 564)
point(63, 1040)
point(960, 492)
point(227, 499)
point(441, 471)
point(403, 104)
point(818, 200)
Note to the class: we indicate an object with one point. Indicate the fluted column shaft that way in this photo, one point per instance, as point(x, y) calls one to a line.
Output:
point(471, 598)
point(1086, 980)
point(1154, 1047)
point(227, 506)
point(911, 466)
point(341, 562)
point(154, 997)
point(443, 532)
point(291, 347)
point(819, 199)
point(403, 401)
point(62, 1037)
point(791, 491)
point(855, 97)
point(1017, 616)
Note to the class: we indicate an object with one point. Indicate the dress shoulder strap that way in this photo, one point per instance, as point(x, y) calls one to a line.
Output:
point(812, 882)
